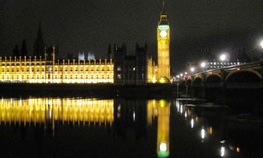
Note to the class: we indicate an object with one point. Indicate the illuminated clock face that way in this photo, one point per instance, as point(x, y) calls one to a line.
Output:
point(163, 33)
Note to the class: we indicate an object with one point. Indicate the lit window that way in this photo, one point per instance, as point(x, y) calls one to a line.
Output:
point(118, 68)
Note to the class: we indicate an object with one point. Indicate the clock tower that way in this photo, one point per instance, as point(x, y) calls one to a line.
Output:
point(163, 48)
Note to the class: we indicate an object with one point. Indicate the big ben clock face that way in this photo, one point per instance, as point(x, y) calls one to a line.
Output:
point(163, 33)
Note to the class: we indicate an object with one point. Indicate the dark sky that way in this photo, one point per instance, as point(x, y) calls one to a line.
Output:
point(90, 25)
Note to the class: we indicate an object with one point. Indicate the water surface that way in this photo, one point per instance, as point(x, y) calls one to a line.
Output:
point(92, 127)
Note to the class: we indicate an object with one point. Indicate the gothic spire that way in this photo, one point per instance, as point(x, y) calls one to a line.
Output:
point(39, 33)
point(163, 16)
point(163, 9)
point(39, 45)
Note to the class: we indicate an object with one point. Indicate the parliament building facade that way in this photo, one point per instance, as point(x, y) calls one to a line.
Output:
point(118, 68)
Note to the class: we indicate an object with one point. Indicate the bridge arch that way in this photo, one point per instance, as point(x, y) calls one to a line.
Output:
point(244, 79)
point(189, 82)
point(213, 80)
point(197, 82)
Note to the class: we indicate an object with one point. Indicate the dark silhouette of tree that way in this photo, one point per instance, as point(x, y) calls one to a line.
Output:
point(24, 49)
point(39, 45)
point(16, 51)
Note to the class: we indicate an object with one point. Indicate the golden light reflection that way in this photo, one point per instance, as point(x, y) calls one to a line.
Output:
point(163, 128)
point(238, 149)
point(151, 111)
point(40, 110)
point(210, 130)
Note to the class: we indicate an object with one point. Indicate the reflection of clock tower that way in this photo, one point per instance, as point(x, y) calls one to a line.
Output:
point(163, 54)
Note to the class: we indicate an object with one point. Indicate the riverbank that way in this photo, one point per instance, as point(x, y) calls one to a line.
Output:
point(89, 90)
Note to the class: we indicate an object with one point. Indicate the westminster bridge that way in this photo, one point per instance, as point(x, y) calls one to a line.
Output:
point(238, 84)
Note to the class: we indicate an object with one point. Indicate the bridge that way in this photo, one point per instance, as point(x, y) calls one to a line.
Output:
point(232, 82)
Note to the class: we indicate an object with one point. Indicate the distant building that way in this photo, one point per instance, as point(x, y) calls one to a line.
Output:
point(221, 64)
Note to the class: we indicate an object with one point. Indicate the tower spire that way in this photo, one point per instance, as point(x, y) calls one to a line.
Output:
point(39, 45)
point(163, 15)
point(163, 10)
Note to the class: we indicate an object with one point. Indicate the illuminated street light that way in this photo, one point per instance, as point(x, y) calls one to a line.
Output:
point(261, 44)
point(223, 57)
point(192, 69)
point(203, 65)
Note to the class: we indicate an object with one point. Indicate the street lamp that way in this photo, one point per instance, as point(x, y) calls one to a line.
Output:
point(203, 65)
point(192, 69)
point(261, 44)
point(223, 57)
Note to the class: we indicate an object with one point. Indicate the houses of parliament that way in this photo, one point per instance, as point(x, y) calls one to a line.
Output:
point(117, 68)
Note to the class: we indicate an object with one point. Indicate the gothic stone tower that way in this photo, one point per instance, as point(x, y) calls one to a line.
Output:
point(163, 47)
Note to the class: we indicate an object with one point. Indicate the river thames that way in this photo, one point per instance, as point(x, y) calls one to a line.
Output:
point(92, 127)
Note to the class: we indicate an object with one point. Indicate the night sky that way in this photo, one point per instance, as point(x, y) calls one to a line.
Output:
point(91, 25)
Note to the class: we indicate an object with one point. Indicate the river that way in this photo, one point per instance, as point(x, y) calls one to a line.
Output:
point(92, 127)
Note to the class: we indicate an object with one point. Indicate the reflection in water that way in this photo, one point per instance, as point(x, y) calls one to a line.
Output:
point(46, 114)
point(48, 111)
point(163, 130)
point(200, 123)
point(36, 118)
